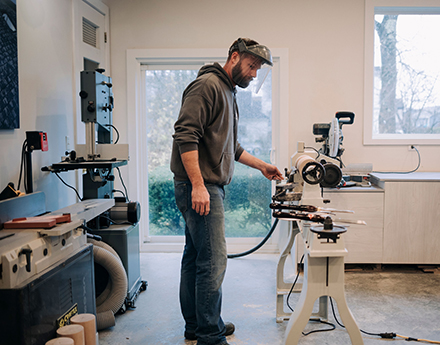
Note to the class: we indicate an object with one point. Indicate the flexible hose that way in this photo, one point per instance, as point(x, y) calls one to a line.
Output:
point(118, 276)
point(119, 284)
point(105, 293)
point(104, 245)
point(105, 320)
point(259, 245)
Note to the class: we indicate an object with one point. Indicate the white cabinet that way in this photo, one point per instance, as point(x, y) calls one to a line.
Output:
point(402, 212)
point(411, 217)
point(364, 243)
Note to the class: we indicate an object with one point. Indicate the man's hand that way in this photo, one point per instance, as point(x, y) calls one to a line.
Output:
point(200, 200)
point(199, 194)
point(271, 172)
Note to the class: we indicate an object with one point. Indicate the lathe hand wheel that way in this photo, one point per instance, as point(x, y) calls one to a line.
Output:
point(313, 172)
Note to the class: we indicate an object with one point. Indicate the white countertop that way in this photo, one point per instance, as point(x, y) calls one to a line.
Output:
point(411, 177)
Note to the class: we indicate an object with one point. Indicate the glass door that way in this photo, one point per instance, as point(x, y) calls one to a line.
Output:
point(249, 194)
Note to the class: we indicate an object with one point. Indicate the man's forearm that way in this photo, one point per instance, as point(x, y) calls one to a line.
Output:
point(247, 159)
point(190, 162)
point(270, 171)
point(199, 194)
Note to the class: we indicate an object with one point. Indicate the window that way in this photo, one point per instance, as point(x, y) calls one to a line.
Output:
point(247, 197)
point(402, 73)
point(164, 85)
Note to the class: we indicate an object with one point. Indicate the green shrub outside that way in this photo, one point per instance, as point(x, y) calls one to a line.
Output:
point(246, 203)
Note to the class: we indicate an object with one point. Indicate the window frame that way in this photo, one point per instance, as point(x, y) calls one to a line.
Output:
point(136, 140)
point(389, 7)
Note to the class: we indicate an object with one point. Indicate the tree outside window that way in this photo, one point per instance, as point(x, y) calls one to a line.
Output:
point(406, 73)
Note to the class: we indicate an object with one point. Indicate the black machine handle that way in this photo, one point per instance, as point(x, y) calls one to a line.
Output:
point(27, 252)
point(343, 115)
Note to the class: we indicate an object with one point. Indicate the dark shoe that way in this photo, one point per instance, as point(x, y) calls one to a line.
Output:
point(230, 328)
point(190, 336)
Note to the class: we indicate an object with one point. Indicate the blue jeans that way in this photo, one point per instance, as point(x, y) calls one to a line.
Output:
point(203, 265)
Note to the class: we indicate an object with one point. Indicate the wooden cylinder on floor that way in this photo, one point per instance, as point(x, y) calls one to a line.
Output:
point(88, 321)
point(76, 332)
point(61, 341)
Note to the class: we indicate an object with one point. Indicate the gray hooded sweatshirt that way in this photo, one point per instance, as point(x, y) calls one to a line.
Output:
point(208, 122)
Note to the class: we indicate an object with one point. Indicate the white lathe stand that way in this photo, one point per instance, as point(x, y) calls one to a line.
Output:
point(323, 276)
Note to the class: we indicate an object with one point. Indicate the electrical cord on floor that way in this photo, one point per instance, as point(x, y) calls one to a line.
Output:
point(259, 245)
point(420, 340)
point(340, 324)
point(320, 330)
point(386, 335)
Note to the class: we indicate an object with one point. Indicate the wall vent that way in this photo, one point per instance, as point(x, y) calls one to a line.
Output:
point(90, 33)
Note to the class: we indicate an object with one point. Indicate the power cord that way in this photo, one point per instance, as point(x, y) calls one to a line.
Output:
point(123, 184)
point(259, 245)
point(340, 324)
point(312, 148)
point(386, 335)
point(293, 285)
point(403, 172)
point(120, 191)
point(116, 130)
point(339, 159)
point(71, 187)
point(320, 330)
point(415, 339)
point(114, 222)
point(23, 166)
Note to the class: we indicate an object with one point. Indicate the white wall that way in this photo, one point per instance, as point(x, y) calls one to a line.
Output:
point(326, 50)
point(45, 58)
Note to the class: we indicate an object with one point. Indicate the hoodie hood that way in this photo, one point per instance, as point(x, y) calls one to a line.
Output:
point(219, 71)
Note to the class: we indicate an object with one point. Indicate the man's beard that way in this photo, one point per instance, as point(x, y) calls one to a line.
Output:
point(238, 78)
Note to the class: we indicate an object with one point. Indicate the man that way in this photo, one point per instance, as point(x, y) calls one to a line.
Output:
point(204, 149)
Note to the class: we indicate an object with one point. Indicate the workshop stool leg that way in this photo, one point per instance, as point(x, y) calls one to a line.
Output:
point(304, 307)
point(283, 287)
point(323, 276)
point(337, 292)
point(301, 316)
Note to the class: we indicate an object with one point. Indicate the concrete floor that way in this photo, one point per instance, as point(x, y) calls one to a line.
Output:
point(405, 301)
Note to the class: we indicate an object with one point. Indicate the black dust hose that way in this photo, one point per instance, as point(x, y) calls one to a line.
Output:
point(259, 245)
